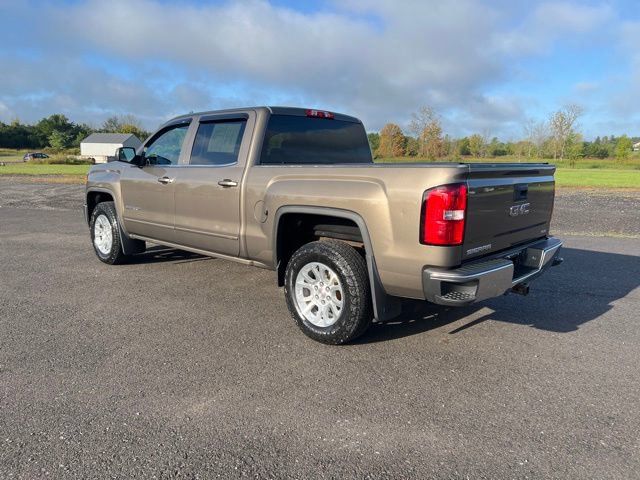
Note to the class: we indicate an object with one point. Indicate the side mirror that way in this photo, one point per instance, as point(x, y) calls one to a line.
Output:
point(128, 154)
point(125, 154)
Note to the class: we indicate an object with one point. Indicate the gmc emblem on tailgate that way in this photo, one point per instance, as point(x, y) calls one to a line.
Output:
point(516, 210)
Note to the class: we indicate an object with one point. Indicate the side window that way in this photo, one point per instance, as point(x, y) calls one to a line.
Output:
point(217, 142)
point(165, 148)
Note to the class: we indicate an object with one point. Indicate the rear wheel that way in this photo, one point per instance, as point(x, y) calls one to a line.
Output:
point(327, 291)
point(105, 234)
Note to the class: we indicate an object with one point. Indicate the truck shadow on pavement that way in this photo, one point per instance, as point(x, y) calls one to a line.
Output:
point(583, 288)
point(159, 254)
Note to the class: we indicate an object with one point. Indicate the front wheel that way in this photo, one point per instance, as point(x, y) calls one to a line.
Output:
point(105, 234)
point(327, 291)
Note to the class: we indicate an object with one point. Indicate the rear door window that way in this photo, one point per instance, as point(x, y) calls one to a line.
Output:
point(218, 143)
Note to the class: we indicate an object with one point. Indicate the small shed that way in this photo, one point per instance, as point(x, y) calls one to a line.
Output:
point(102, 146)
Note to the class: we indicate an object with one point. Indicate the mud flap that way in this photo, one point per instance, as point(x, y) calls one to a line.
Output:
point(129, 245)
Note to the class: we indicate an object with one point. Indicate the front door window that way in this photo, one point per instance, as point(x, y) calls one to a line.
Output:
point(164, 149)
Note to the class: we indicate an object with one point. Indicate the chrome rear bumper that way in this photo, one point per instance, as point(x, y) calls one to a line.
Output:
point(489, 278)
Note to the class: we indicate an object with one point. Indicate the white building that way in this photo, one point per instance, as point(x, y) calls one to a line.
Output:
point(636, 147)
point(102, 146)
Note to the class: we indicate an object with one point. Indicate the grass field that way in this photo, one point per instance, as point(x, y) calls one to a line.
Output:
point(8, 155)
point(42, 169)
point(566, 177)
point(15, 156)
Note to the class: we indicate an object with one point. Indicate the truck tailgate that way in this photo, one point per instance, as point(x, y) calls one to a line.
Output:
point(507, 204)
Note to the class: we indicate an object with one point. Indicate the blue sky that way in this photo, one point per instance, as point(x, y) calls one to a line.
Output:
point(486, 66)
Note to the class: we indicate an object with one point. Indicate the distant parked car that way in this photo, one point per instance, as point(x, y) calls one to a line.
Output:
point(34, 155)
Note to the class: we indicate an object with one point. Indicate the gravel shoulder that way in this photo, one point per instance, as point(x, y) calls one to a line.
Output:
point(591, 212)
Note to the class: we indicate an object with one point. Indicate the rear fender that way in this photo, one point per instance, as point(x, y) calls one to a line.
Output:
point(385, 307)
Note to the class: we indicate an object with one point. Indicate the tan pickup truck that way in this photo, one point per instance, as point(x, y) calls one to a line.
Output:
point(296, 191)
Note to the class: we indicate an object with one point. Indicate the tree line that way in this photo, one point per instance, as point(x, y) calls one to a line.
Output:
point(556, 138)
point(58, 133)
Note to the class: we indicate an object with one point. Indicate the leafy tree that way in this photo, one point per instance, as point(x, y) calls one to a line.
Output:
point(596, 149)
point(451, 148)
point(562, 124)
point(124, 124)
point(476, 145)
point(412, 147)
point(54, 123)
point(426, 126)
point(55, 131)
point(374, 141)
point(624, 145)
point(574, 148)
point(538, 134)
point(82, 132)
point(431, 141)
point(59, 140)
point(523, 148)
point(17, 135)
point(111, 125)
point(134, 129)
point(463, 146)
point(392, 141)
point(496, 148)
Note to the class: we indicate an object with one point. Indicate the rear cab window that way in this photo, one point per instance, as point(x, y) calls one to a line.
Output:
point(302, 140)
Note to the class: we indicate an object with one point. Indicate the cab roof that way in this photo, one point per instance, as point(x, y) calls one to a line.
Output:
point(274, 110)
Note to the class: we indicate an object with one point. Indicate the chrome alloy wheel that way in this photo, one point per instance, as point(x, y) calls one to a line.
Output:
point(318, 294)
point(102, 234)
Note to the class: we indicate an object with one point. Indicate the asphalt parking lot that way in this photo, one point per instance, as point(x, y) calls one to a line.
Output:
point(180, 366)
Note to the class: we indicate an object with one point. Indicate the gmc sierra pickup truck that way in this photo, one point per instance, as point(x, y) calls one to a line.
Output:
point(296, 191)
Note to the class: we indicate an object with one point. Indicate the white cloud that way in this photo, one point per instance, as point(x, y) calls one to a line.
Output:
point(549, 23)
point(571, 17)
point(379, 60)
point(426, 52)
point(586, 87)
point(6, 115)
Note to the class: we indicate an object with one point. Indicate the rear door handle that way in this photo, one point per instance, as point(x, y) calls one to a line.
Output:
point(165, 180)
point(227, 183)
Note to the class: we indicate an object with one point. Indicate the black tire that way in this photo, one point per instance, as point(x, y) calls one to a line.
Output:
point(115, 255)
point(355, 316)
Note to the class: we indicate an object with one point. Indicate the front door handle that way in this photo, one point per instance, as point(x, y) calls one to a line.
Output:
point(165, 180)
point(227, 183)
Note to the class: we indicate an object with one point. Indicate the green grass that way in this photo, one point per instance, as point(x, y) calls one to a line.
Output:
point(609, 178)
point(10, 155)
point(43, 169)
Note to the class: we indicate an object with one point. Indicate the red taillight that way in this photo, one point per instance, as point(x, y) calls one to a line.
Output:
point(320, 114)
point(443, 215)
